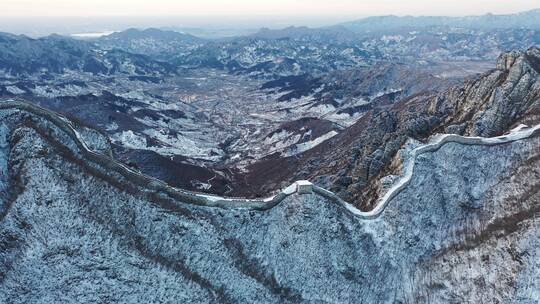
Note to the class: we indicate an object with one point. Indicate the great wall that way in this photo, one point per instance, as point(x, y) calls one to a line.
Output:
point(155, 188)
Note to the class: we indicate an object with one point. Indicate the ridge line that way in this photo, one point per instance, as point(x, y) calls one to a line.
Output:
point(299, 187)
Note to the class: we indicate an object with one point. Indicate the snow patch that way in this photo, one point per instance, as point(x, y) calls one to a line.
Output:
point(130, 140)
point(302, 147)
point(15, 90)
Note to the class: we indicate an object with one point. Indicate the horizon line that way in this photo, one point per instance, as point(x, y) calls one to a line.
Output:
point(266, 15)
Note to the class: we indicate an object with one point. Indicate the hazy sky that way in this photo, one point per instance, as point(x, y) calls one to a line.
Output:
point(259, 7)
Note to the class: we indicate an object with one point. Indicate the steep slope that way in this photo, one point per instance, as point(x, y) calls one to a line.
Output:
point(465, 229)
point(353, 162)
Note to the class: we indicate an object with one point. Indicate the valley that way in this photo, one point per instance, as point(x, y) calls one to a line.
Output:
point(220, 115)
point(387, 159)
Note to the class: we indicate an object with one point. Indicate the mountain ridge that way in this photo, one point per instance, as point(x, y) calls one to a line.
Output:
point(526, 19)
point(70, 224)
point(301, 187)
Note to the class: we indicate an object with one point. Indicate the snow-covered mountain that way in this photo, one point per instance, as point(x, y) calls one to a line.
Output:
point(152, 42)
point(288, 166)
point(527, 19)
point(24, 56)
point(77, 226)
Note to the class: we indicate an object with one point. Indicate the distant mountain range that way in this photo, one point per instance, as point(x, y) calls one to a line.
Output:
point(293, 51)
point(272, 53)
point(56, 54)
point(529, 19)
